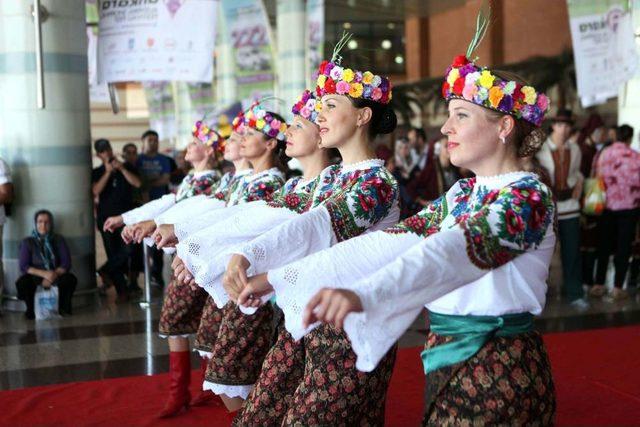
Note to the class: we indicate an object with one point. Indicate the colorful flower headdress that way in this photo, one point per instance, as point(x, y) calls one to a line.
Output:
point(208, 136)
point(307, 106)
point(335, 79)
point(258, 118)
point(465, 80)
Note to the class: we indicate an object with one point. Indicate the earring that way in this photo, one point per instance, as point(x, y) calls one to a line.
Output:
point(503, 140)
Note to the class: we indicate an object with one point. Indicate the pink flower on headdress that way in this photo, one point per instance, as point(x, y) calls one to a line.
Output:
point(469, 91)
point(276, 124)
point(342, 87)
point(376, 94)
point(543, 102)
point(305, 112)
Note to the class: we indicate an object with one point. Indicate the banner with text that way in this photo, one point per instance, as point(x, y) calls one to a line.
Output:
point(247, 25)
point(604, 48)
point(156, 40)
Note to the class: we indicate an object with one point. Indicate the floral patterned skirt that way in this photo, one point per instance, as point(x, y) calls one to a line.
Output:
point(241, 346)
point(209, 326)
point(333, 392)
point(282, 372)
point(508, 382)
point(181, 309)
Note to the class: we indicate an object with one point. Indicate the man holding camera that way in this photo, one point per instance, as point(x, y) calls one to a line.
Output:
point(113, 184)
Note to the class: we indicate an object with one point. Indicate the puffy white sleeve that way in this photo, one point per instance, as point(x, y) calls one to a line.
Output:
point(189, 208)
point(191, 225)
point(292, 240)
point(517, 220)
point(206, 253)
point(149, 210)
point(339, 266)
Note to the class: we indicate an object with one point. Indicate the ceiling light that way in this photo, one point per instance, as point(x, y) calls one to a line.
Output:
point(346, 25)
point(353, 44)
point(386, 44)
point(399, 59)
point(391, 25)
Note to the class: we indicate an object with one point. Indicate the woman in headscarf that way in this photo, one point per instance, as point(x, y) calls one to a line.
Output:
point(45, 260)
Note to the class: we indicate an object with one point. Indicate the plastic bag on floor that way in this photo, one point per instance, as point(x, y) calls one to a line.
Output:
point(46, 303)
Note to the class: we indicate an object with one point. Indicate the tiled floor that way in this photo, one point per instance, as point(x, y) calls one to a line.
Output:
point(107, 340)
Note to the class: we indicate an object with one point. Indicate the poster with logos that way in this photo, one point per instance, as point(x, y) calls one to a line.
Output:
point(249, 34)
point(156, 40)
point(604, 48)
point(315, 35)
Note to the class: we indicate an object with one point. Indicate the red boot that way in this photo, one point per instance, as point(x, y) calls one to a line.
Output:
point(179, 377)
point(205, 396)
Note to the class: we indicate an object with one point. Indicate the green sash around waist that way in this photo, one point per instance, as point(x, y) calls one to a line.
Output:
point(470, 334)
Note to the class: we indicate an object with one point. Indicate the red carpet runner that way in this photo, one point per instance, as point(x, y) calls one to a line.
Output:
point(597, 375)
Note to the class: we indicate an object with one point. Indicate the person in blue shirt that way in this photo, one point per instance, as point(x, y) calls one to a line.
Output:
point(155, 170)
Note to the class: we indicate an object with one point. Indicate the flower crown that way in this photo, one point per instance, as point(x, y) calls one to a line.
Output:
point(465, 80)
point(307, 106)
point(334, 79)
point(208, 136)
point(258, 118)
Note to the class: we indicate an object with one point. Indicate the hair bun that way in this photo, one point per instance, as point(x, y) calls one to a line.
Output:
point(532, 143)
point(388, 121)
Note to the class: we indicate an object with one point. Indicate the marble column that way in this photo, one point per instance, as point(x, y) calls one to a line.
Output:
point(49, 150)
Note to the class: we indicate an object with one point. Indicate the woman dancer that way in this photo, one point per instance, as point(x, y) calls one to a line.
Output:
point(363, 197)
point(477, 258)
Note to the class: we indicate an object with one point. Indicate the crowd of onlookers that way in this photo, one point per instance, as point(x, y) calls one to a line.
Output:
point(570, 156)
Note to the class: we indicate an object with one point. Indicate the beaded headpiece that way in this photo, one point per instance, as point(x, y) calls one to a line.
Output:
point(256, 117)
point(307, 106)
point(466, 80)
point(208, 136)
point(335, 79)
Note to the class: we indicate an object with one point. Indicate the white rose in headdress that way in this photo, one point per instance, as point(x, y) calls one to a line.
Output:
point(471, 78)
point(260, 113)
point(311, 104)
point(375, 82)
point(336, 73)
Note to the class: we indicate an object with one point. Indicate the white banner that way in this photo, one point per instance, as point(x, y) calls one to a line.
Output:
point(156, 40)
point(603, 47)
